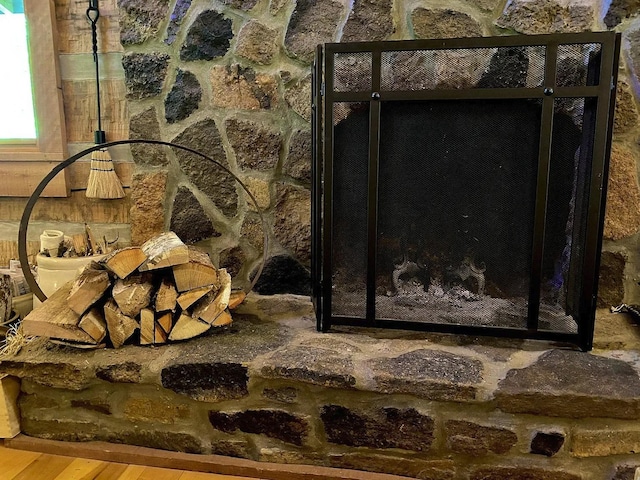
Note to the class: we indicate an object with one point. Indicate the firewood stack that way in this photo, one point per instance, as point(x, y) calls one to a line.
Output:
point(159, 292)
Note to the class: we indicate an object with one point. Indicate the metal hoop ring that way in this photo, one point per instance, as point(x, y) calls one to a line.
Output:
point(26, 214)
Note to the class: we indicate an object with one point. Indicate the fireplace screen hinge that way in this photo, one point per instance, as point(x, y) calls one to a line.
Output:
point(322, 89)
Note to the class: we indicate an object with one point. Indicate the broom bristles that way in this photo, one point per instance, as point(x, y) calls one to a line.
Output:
point(103, 180)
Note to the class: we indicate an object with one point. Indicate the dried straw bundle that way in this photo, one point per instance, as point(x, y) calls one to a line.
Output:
point(103, 181)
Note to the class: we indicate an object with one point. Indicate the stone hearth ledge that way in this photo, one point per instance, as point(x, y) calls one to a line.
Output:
point(272, 388)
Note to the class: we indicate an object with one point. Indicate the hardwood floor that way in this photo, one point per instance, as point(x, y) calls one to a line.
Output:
point(25, 465)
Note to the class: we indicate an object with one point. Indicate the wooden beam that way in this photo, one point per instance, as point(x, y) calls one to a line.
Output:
point(191, 462)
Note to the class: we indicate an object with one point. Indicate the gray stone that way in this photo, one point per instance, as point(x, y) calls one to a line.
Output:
point(144, 74)
point(207, 382)
point(631, 49)
point(585, 385)
point(429, 374)
point(245, 5)
point(154, 438)
point(179, 11)
point(189, 220)
point(625, 472)
point(63, 430)
point(548, 16)
point(148, 191)
point(394, 465)
point(618, 10)
point(507, 69)
point(312, 22)
point(127, 372)
point(611, 279)
point(298, 162)
point(210, 179)
point(626, 114)
point(140, 19)
point(145, 126)
point(292, 221)
point(273, 423)
point(57, 375)
point(257, 43)
point(547, 444)
point(255, 146)
point(96, 405)
point(521, 473)
point(473, 439)
point(237, 87)
point(276, 5)
point(443, 23)
point(208, 37)
point(388, 427)
point(284, 274)
point(369, 20)
point(282, 395)
point(252, 230)
point(232, 259)
point(308, 364)
point(488, 5)
point(298, 96)
point(622, 216)
point(247, 338)
point(231, 448)
point(184, 97)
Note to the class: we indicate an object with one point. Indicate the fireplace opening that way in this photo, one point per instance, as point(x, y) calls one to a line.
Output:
point(459, 184)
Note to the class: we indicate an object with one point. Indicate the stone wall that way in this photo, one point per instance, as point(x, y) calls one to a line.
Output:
point(231, 78)
point(271, 388)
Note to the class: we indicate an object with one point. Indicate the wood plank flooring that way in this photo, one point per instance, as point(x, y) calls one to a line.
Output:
point(25, 465)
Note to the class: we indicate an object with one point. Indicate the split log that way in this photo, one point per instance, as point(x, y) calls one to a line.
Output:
point(119, 325)
point(188, 327)
point(213, 304)
point(125, 261)
point(88, 288)
point(165, 250)
point(147, 326)
point(94, 324)
point(80, 245)
point(223, 319)
point(198, 272)
point(132, 294)
point(55, 319)
point(160, 335)
point(165, 320)
point(166, 296)
point(9, 410)
point(192, 296)
point(236, 298)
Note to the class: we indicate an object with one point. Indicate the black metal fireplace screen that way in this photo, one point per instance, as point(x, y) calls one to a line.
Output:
point(459, 184)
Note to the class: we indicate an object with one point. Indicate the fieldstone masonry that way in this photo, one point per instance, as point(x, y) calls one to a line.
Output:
point(231, 79)
point(271, 388)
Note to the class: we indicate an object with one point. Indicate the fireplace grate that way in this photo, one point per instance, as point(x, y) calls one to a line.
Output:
point(459, 184)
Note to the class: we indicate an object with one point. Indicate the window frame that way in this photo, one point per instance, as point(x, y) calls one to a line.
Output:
point(24, 164)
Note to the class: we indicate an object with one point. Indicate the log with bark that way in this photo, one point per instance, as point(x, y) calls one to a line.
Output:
point(161, 292)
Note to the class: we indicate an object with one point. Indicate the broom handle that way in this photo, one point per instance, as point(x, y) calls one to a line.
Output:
point(93, 13)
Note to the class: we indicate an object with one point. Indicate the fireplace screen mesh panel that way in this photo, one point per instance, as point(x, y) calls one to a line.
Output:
point(459, 183)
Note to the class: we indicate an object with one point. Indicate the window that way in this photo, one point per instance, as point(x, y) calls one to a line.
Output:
point(30, 154)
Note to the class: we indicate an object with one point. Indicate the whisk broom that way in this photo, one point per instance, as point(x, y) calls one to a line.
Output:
point(103, 180)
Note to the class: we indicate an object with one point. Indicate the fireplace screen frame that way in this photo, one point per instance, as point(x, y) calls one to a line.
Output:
point(325, 95)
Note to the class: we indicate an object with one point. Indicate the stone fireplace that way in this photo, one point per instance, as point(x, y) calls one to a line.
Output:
point(457, 184)
point(231, 78)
